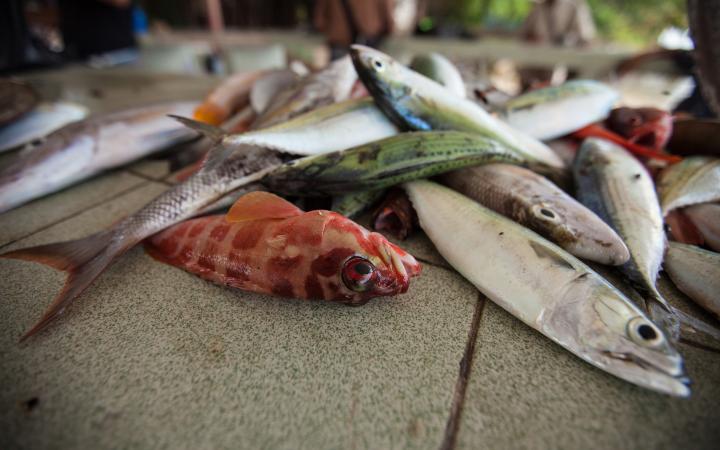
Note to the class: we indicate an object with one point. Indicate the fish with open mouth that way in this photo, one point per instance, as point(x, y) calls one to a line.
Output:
point(535, 202)
point(83, 149)
point(266, 244)
point(548, 289)
point(415, 102)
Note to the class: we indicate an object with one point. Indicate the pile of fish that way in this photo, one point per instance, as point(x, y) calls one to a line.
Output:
point(482, 184)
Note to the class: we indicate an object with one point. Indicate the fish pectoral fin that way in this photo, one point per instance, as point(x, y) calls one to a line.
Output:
point(696, 331)
point(212, 132)
point(261, 206)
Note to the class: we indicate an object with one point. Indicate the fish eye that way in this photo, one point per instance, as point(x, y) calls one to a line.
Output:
point(358, 274)
point(378, 64)
point(644, 332)
point(545, 213)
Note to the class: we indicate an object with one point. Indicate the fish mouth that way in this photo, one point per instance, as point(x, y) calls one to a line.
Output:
point(402, 267)
point(668, 380)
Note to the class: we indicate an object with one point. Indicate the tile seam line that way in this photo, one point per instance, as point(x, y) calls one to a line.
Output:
point(70, 216)
point(452, 426)
point(148, 178)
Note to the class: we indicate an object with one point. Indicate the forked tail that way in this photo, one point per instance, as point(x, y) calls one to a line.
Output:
point(678, 324)
point(83, 259)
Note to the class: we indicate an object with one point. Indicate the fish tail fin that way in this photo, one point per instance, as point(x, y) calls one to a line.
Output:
point(83, 259)
point(215, 134)
point(663, 315)
point(697, 331)
point(679, 324)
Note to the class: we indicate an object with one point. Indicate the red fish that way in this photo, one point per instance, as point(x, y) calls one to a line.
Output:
point(650, 127)
point(266, 244)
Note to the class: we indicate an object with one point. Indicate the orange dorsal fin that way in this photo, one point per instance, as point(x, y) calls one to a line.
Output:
point(261, 206)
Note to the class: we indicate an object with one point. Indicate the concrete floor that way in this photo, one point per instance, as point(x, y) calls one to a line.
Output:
point(153, 357)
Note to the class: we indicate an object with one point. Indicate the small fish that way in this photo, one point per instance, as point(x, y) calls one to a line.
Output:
point(438, 68)
point(706, 219)
point(650, 127)
point(693, 180)
point(415, 102)
point(229, 96)
point(330, 85)
point(340, 125)
point(266, 244)
point(552, 112)
point(618, 188)
point(41, 121)
point(537, 203)
point(548, 289)
point(696, 272)
point(83, 149)
point(268, 86)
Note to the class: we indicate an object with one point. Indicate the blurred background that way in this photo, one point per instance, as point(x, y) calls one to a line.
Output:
point(508, 46)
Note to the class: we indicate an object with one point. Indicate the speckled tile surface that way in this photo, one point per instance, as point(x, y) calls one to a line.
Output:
point(153, 357)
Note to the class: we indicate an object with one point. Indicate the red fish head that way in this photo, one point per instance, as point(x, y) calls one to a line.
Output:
point(356, 265)
point(650, 127)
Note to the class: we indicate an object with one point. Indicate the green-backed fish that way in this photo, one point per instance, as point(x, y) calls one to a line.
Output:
point(415, 102)
point(391, 161)
point(552, 112)
point(548, 289)
point(537, 203)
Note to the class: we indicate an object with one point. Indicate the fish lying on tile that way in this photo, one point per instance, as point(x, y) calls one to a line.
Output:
point(266, 244)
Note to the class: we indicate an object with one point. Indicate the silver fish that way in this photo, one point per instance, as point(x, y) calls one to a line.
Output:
point(706, 218)
point(438, 68)
point(341, 125)
point(268, 86)
point(535, 202)
point(555, 111)
point(83, 149)
point(548, 289)
point(696, 272)
point(413, 101)
point(41, 121)
point(693, 180)
point(330, 85)
point(616, 186)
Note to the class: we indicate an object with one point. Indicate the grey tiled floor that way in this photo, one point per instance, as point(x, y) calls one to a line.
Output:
point(153, 357)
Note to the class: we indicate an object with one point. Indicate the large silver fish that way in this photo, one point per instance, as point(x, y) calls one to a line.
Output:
point(83, 149)
point(691, 181)
point(41, 121)
point(438, 68)
point(618, 188)
point(555, 111)
point(548, 289)
point(537, 203)
point(696, 272)
point(415, 102)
